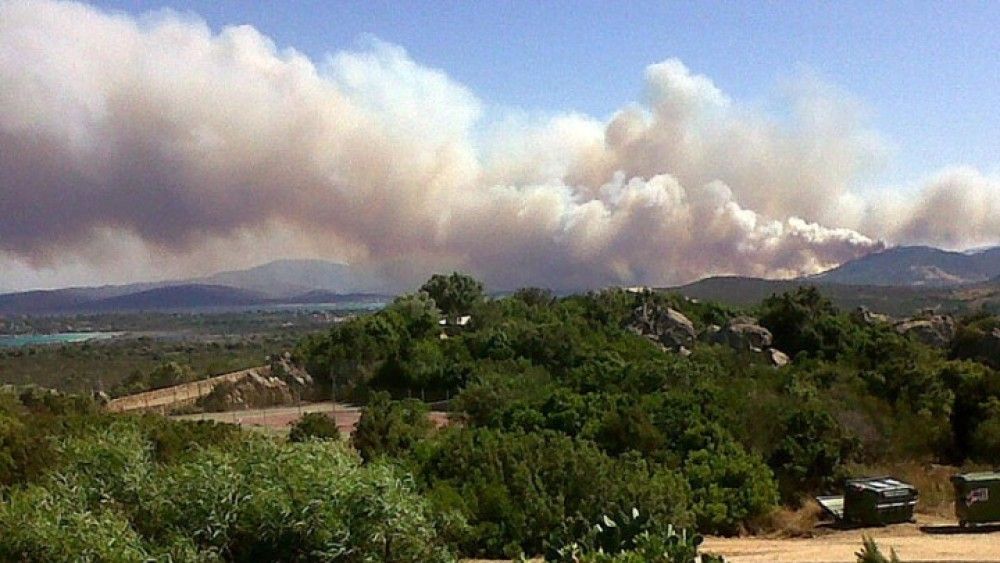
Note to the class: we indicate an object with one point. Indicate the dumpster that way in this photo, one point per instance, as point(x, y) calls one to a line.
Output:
point(872, 501)
point(977, 497)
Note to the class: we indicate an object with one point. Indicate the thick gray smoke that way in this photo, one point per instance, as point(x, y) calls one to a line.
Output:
point(159, 143)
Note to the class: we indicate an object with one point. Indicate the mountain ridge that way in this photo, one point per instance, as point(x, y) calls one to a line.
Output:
point(288, 281)
point(915, 266)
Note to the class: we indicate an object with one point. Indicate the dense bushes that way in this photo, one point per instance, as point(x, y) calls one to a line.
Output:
point(562, 417)
point(390, 428)
point(256, 501)
point(526, 491)
point(567, 375)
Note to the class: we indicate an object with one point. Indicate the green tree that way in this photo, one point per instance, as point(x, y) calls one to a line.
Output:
point(455, 294)
point(314, 426)
point(390, 428)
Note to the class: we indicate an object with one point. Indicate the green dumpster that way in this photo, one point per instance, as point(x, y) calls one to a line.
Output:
point(977, 497)
point(876, 501)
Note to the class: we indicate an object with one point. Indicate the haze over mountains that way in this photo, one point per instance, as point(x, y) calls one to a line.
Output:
point(279, 282)
point(916, 266)
point(899, 279)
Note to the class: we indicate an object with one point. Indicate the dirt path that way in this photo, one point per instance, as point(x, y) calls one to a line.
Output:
point(929, 540)
point(279, 418)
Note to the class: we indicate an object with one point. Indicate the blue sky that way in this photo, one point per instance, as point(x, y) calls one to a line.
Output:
point(927, 73)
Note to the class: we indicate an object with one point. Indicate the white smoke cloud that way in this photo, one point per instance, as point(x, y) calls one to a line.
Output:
point(157, 142)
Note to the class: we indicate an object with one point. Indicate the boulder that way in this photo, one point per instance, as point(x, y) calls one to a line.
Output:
point(934, 330)
point(744, 336)
point(666, 326)
point(865, 316)
point(711, 334)
point(777, 357)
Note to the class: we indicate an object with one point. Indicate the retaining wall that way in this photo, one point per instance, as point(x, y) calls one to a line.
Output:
point(170, 398)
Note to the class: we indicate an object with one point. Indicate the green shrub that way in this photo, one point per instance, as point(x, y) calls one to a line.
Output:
point(729, 487)
point(390, 428)
point(526, 491)
point(314, 426)
point(668, 546)
point(870, 553)
point(257, 501)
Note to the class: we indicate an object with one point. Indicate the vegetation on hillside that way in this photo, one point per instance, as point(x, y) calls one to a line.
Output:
point(574, 437)
point(566, 414)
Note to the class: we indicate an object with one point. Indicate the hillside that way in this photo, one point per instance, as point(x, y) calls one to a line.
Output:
point(280, 282)
point(188, 296)
point(916, 266)
point(897, 301)
point(288, 278)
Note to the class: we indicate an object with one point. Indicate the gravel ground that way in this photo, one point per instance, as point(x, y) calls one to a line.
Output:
point(930, 539)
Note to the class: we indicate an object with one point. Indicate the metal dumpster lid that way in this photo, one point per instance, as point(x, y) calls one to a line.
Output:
point(879, 483)
point(978, 476)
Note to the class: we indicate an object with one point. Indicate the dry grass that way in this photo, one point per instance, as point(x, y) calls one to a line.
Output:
point(785, 522)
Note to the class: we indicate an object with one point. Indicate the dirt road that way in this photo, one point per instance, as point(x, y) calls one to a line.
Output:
point(279, 418)
point(929, 540)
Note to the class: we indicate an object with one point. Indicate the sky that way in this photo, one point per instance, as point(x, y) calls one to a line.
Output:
point(570, 144)
point(928, 73)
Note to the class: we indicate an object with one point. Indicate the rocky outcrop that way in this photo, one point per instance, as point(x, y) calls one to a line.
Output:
point(777, 358)
point(864, 315)
point(283, 383)
point(666, 326)
point(934, 330)
point(745, 336)
point(278, 382)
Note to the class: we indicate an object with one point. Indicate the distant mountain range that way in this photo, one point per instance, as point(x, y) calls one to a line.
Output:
point(916, 266)
point(896, 281)
point(290, 278)
point(280, 282)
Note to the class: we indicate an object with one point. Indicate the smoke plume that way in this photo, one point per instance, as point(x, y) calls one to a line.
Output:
point(154, 144)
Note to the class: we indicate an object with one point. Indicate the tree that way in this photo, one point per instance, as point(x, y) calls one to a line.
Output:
point(454, 295)
point(390, 428)
point(805, 321)
point(316, 426)
point(535, 296)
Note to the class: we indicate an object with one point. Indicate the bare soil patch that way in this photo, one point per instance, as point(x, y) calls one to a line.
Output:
point(280, 418)
point(932, 538)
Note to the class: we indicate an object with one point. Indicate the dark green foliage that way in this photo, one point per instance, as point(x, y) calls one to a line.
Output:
point(390, 428)
point(729, 487)
point(813, 448)
point(454, 295)
point(562, 417)
point(258, 501)
point(524, 491)
point(805, 321)
point(314, 426)
point(535, 297)
point(977, 339)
